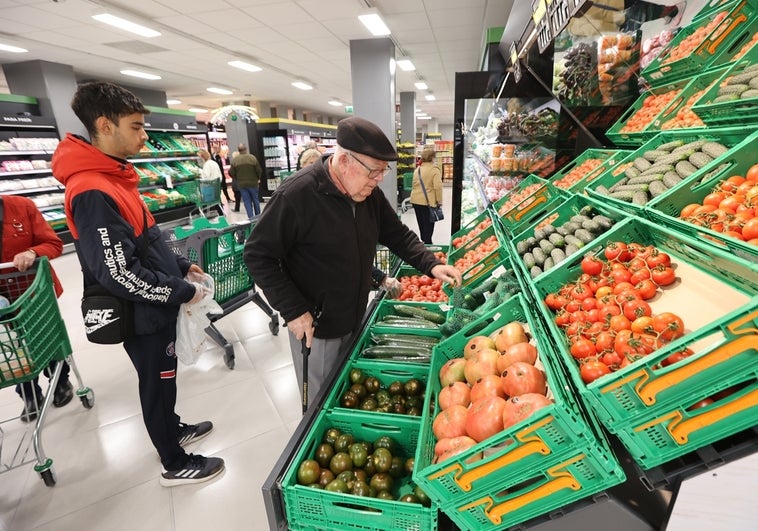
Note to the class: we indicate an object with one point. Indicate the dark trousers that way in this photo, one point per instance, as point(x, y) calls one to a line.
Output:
point(425, 225)
point(224, 190)
point(31, 387)
point(237, 199)
point(154, 358)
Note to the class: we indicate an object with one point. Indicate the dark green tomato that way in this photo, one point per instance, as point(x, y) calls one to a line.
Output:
point(318, 486)
point(361, 488)
point(409, 464)
point(356, 376)
point(325, 477)
point(381, 481)
point(360, 475)
point(409, 498)
point(414, 401)
point(384, 495)
point(358, 454)
point(370, 469)
point(330, 436)
point(382, 397)
point(337, 486)
point(359, 390)
point(340, 462)
point(422, 496)
point(348, 477)
point(372, 384)
point(369, 404)
point(324, 454)
point(308, 472)
point(413, 411)
point(387, 442)
point(343, 442)
point(397, 399)
point(396, 388)
point(398, 408)
point(382, 460)
point(413, 387)
point(397, 468)
point(350, 400)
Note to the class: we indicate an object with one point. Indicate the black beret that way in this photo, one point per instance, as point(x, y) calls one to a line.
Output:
point(364, 137)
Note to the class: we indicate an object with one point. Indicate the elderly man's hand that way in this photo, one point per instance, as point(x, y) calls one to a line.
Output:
point(303, 327)
point(447, 273)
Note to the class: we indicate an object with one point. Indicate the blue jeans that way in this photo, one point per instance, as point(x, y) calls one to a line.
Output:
point(250, 199)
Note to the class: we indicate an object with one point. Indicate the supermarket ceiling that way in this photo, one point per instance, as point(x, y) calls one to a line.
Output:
point(288, 39)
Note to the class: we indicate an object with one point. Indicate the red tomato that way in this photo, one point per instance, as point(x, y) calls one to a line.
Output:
point(676, 357)
point(611, 359)
point(592, 370)
point(714, 198)
point(617, 251)
point(640, 275)
point(663, 276)
point(669, 326)
point(657, 258)
point(580, 292)
point(582, 348)
point(620, 322)
point(750, 229)
point(643, 325)
point(590, 303)
point(646, 289)
point(604, 341)
point(622, 286)
point(591, 265)
point(636, 308)
point(752, 173)
point(555, 301)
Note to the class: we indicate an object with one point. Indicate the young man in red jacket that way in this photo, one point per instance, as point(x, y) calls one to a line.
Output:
point(120, 247)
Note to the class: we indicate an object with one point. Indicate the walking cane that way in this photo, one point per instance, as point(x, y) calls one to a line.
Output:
point(306, 353)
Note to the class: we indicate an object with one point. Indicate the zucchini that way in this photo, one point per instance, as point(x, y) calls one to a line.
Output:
point(539, 256)
point(557, 239)
point(529, 260)
point(546, 246)
point(657, 188)
point(423, 313)
point(584, 236)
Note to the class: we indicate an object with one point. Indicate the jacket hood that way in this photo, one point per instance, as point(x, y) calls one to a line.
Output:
point(74, 155)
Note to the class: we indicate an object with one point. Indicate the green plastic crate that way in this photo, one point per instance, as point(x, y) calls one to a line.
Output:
point(470, 230)
point(365, 340)
point(656, 441)
point(309, 508)
point(644, 390)
point(666, 208)
point(718, 46)
point(637, 138)
point(730, 137)
point(485, 265)
point(554, 436)
point(387, 307)
point(739, 112)
point(510, 211)
point(559, 215)
point(609, 158)
point(386, 373)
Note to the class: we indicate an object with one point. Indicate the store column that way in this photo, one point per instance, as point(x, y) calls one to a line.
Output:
point(53, 85)
point(372, 67)
point(408, 117)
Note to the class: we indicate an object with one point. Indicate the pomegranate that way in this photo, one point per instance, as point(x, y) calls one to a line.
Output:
point(520, 407)
point(456, 393)
point(520, 378)
point(481, 364)
point(525, 352)
point(488, 385)
point(485, 418)
point(477, 343)
point(452, 371)
point(450, 422)
point(508, 335)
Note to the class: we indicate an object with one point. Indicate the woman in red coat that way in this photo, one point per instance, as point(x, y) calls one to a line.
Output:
point(25, 236)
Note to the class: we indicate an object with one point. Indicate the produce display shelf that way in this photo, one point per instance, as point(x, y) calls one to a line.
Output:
point(482, 267)
point(666, 208)
point(718, 303)
point(469, 230)
point(742, 111)
point(550, 459)
point(718, 46)
point(510, 212)
point(728, 136)
point(607, 158)
point(310, 508)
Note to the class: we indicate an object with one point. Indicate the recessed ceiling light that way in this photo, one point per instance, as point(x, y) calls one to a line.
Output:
point(423, 117)
point(221, 91)
point(143, 75)
point(302, 85)
point(14, 49)
point(198, 110)
point(406, 65)
point(173, 102)
point(244, 66)
point(335, 103)
point(374, 24)
point(421, 85)
point(430, 97)
point(126, 25)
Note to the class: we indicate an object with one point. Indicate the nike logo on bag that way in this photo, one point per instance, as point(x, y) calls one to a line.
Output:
point(99, 320)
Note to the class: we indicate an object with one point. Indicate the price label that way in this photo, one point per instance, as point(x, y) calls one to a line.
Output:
point(516, 63)
point(539, 10)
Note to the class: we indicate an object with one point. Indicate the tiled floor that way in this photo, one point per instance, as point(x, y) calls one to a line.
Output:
point(106, 467)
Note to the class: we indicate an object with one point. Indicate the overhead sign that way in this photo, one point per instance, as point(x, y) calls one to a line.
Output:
point(348, 109)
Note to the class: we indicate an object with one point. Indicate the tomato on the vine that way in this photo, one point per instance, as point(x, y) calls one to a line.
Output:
point(580, 292)
point(676, 357)
point(611, 358)
point(591, 265)
point(643, 325)
point(658, 258)
point(636, 308)
point(646, 289)
point(619, 322)
point(669, 326)
point(555, 301)
point(592, 370)
point(663, 275)
point(582, 348)
point(640, 275)
point(604, 341)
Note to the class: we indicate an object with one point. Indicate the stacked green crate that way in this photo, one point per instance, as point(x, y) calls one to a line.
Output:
point(592, 163)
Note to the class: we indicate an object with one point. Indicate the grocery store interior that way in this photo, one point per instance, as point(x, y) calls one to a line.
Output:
point(600, 192)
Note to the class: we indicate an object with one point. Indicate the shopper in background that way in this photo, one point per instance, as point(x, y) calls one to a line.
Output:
point(247, 171)
point(25, 236)
point(432, 177)
point(210, 167)
point(121, 248)
point(307, 147)
point(235, 186)
point(220, 163)
point(313, 248)
point(379, 279)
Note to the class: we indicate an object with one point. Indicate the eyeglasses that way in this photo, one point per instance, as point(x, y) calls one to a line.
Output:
point(379, 172)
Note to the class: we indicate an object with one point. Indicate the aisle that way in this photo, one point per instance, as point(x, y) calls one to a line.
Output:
point(103, 459)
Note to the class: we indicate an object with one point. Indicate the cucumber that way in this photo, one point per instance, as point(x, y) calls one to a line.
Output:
point(572, 227)
point(584, 236)
point(668, 146)
point(604, 222)
point(631, 171)
point(539, 256)
point(572, 240)
point(547, 230)
point(641, 163)
point(579, 218)
point(714, 149)
point(620, 182)
point(657, 188)
point(556, 239)
point(623, 195)
point(632, 188)
point(658, 167)
point(639, 198)
point(538, 235)
point(671, 179)
point(700, 159)
point(549, 264)
point(647, 179)
point(685, 168)
point(546, 246)
point(535, 271)
point(404, 344)
point(562, 231)
point(488, 285)
point(521, 247)
point(531, 241)
point(571, 249)
point(380, 339)
point(602, 190)
point(424, 313)
point(654, 154)
point(587, 210)
point(388, 351)
point(590, 225)
point(557, 255)
point(409, 322)
point(529, 260)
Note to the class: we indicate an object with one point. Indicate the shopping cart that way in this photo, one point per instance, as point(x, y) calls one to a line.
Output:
point(205, 193)
point(32, 335)
point(217, 247)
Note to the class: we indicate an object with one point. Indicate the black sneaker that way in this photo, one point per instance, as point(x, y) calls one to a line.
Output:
point(64, 392)
point(31, 409)
point(196, 470)
point(189, 433)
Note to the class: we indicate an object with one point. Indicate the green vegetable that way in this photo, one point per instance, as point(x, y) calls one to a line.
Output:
point(535, 271)
point(671, 179)
point(639, 198)
point(700, 159)
point(539, 256)
point(423, 313)
point(584, 236)
point(557, 255)
point(557, 239)
point(529, 260)
point(546, 246)
point(657, 188)
point(685, 168)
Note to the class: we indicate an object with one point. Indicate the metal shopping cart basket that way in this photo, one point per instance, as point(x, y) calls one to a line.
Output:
point(217, 247)
point(32, 335)
point(205, 193)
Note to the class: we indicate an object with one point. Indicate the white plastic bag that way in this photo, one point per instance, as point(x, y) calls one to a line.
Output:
point(193, 320)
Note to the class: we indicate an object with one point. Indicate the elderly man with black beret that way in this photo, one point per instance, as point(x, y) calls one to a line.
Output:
point(313, 248)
